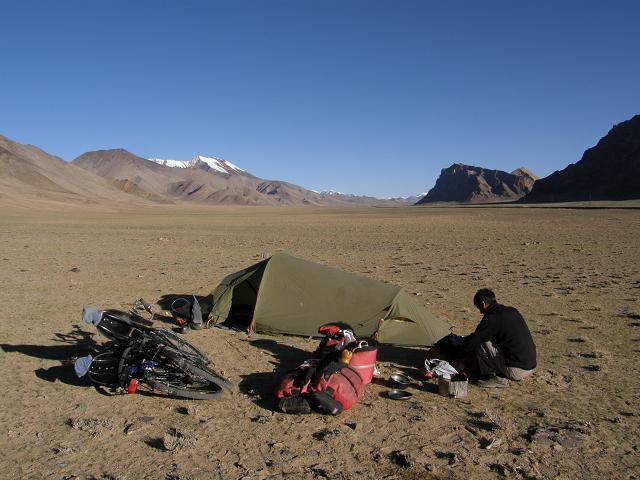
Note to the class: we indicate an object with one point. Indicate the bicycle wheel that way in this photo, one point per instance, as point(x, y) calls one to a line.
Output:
point(210, 374)
point(195, 369)
point(180, 344)
point(126, 360)
point(104, 368)
point(181, 384)
point(168, 370)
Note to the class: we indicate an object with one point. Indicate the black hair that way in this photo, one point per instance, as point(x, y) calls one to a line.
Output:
point(484, 295)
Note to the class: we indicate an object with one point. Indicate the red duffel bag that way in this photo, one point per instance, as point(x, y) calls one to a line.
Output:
point(341, 382)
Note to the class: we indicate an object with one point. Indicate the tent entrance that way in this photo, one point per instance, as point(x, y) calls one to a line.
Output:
point(243, 303)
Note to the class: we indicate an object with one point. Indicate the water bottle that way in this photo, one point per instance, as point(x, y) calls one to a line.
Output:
point(133, 385)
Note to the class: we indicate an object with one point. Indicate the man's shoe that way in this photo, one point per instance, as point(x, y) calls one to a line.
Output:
point(494, 382)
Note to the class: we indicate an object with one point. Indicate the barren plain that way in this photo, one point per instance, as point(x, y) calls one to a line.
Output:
point(574, 274)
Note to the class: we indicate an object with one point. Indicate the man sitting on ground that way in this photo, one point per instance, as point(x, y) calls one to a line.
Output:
point(502, 343)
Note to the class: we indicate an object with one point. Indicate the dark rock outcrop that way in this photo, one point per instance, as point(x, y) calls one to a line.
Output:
point(608, 171)
point(467, 184)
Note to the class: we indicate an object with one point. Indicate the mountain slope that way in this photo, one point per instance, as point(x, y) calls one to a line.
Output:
point(203, 180)
point(608, 171)
point(200, 180)
point(467, 184)
point(29, 174)
point(111, 177)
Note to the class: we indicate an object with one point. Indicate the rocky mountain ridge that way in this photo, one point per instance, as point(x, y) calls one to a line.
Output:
point(608, 171)
point(461, 183)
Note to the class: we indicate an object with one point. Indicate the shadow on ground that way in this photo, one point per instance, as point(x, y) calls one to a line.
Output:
point(405, 356)
point(76, 343)
point(262, 386)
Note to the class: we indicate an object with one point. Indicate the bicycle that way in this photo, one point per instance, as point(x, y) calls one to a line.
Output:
point(157, 358)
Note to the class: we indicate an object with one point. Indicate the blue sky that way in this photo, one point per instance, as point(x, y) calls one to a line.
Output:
point(365, 97)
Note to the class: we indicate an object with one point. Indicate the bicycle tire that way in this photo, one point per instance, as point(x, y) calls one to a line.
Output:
point(104, 368)
point(210, 374)
point(182, 385)
point(123, 367)
point(180, 344)
point(174, 374)
point(197, 370)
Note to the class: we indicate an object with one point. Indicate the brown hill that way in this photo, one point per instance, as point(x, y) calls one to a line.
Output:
point(199, 183)
point(28, 175)
point(202, 184)
point(608, 171)
point(116, 177)
point(466, 184)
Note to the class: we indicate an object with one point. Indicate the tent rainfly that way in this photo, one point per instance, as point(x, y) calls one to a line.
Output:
point(287, 295)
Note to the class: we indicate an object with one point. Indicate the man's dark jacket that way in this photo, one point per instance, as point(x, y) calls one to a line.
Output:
point(508, 331)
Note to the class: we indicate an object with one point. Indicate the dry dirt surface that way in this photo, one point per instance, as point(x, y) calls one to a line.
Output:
point(573, 273)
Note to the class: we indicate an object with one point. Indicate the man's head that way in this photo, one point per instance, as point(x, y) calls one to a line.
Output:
point(483, 299)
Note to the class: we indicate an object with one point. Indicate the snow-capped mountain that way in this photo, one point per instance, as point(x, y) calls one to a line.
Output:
point(333, 192)
point(202, 179)
point(172, 163)
point(409, 199)
point(214, 163)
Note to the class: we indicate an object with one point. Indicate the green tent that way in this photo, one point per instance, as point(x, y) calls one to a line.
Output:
point(287, 295)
